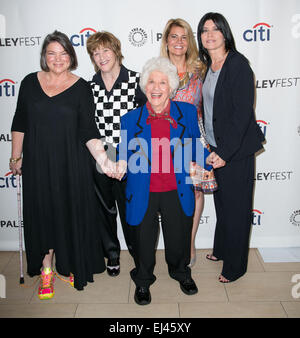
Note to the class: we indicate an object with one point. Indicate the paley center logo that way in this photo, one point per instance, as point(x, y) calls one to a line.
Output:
point(256, 217)
point(8, 181)
point(7, 88)
point(259, 32)
point(80, 39)
point(138, 37)
point(295, 218)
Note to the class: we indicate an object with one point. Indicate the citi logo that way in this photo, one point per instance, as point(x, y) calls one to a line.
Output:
point(259, 32)
point(7, 88)
point(263, 126)
point(80, 39)
point(256, 217)
point(8, 181)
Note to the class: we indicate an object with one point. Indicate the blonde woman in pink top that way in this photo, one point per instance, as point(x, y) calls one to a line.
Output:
point(179, 45)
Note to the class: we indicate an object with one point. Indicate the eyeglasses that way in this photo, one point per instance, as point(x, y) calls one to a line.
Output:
point(214, 30)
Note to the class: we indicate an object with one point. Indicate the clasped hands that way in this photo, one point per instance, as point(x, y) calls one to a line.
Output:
point(113, 169)
point(215, 160)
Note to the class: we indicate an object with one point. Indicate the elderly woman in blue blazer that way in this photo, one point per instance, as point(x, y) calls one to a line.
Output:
point(159, 141)
point(234, 137)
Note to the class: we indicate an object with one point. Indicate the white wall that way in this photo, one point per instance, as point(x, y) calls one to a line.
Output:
point(274, 53)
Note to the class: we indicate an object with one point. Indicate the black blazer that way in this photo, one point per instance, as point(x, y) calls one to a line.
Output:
point(235, 129)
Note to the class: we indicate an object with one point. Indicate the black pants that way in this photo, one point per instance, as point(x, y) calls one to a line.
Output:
point(109, 192)
point(233, 203)
point(176, 227)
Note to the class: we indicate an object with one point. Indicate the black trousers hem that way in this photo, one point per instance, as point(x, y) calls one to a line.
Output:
point(233, 203)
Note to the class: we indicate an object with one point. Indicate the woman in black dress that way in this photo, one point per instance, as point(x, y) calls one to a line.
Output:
point(53, 126)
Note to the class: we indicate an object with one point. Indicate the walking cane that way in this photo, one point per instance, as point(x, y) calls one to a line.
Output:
point(20, 229)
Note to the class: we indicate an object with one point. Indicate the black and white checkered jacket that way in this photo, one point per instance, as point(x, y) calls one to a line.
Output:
point(110, 106)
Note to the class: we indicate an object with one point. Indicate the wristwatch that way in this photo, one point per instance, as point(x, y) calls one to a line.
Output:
point(14, 160)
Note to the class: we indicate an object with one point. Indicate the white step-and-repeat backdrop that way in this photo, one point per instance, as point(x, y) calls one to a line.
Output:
point(266, 31)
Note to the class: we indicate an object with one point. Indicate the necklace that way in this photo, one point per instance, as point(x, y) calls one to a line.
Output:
point(54, 88)
point(183, 79)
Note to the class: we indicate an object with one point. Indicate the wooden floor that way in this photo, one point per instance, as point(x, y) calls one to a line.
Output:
point(267, 290)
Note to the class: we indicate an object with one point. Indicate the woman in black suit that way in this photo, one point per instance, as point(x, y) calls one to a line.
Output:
point(234, 136)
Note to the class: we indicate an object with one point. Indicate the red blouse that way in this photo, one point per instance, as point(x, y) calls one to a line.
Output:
point(162, 170)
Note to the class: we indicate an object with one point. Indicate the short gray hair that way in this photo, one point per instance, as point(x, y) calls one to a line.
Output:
point(164, 66)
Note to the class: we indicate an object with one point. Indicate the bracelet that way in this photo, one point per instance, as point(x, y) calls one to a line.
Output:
point(14, 160)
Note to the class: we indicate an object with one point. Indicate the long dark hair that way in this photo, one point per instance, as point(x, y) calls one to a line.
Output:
point(224, 28)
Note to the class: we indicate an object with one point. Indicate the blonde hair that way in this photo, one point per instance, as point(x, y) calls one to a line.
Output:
point(107, 40)
point(194, 65)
